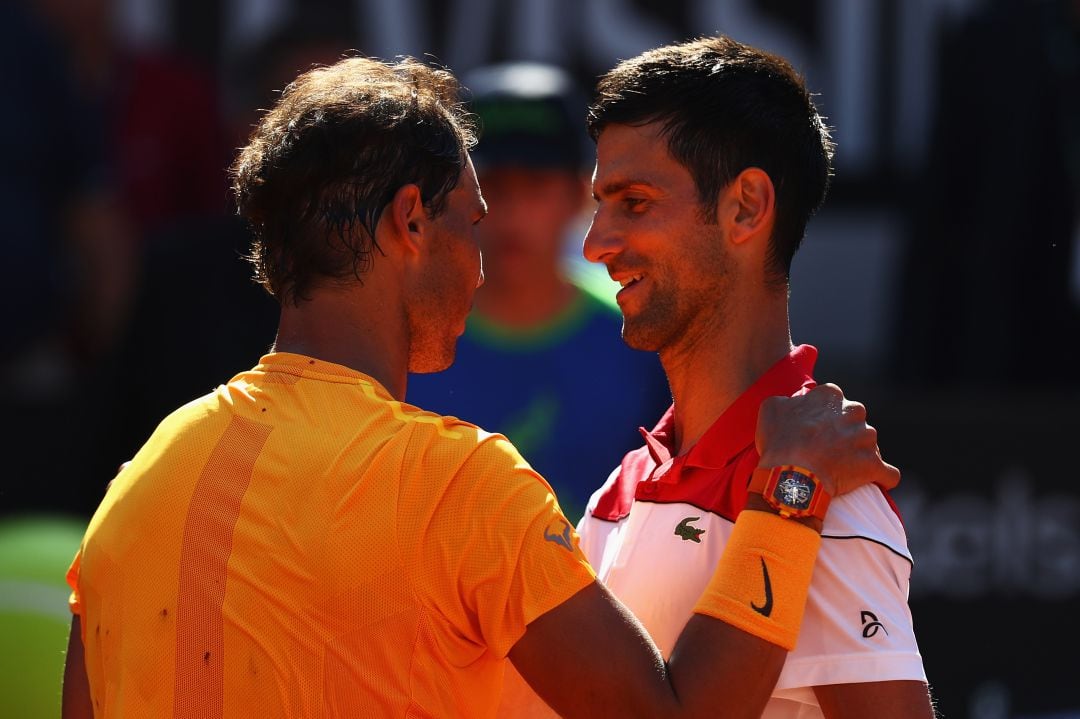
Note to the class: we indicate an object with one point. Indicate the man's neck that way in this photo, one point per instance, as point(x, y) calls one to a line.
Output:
point(526, 303)
point(332, 328)
point(707, 373)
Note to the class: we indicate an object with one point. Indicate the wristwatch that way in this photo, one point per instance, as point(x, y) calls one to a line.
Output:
point(791, 490)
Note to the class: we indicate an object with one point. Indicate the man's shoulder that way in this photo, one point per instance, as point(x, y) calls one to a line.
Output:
point(449, 439)
point(870, 515)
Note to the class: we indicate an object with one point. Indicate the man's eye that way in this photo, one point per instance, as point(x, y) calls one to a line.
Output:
point(634, 204)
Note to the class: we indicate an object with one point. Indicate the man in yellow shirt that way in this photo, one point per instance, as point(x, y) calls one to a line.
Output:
point(301, 542)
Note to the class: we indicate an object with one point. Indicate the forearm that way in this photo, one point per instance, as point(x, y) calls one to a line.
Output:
point(887, 700)
point(590, 657)
point(718, 670)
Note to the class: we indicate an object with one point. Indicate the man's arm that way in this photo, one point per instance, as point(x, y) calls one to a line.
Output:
point(590, 657)
point(885, 700)
point(76, 701)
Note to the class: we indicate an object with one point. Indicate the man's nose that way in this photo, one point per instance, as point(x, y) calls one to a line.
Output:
point(602, 241)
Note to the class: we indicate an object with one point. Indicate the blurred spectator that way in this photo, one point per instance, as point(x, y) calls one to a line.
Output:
point(157, 112)
point(49, 168)
point(987, 296)
point(542, 360)
point(114, 146)
point(153, 116)
point(51, 188)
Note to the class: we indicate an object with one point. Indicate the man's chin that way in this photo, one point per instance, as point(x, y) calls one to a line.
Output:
point(432, 362)
point(637, 339)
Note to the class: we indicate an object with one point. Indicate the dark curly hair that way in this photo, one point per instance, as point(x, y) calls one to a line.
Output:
point(324, 162)
point(725, 107)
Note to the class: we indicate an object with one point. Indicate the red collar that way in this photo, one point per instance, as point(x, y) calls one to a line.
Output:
point(734, 430)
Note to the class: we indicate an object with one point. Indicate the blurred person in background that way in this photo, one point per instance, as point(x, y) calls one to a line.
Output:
point(50, 170)
point(542, 360)
point(153, 116)
point(59, 207)
point(112, 145)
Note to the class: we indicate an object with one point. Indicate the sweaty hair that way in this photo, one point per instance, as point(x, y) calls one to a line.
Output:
point(324, 162)
point(724, 107)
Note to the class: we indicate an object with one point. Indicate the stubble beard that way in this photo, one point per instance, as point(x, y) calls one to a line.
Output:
point(678, 313)
point(654, 327)
point(432, 345)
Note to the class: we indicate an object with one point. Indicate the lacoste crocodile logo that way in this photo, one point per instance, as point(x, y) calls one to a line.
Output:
point(560, 536)
point(688, 532)
point(765, 609)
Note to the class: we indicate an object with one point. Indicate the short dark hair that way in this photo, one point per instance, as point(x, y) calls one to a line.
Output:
point(725, 107)
point(325, 161)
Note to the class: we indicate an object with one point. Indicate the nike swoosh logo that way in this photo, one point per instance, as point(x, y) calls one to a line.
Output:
point(766, 609)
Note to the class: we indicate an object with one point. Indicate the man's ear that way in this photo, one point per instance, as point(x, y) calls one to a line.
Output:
point(747, 205)
point(406, 219)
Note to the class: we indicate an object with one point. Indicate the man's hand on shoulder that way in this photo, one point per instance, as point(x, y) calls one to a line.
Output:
point(827, 433)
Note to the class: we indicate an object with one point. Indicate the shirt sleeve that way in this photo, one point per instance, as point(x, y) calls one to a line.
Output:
point(494, 551)
point(857, 626)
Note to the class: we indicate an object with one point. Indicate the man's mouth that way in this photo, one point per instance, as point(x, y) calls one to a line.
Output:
point(627, 283)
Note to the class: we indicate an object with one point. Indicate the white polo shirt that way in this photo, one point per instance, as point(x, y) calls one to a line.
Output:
point(656, 529)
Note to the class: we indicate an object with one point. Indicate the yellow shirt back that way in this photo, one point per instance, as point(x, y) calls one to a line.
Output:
point(299, 544)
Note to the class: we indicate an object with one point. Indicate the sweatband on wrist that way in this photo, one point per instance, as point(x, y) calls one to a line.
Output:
point(762, 579)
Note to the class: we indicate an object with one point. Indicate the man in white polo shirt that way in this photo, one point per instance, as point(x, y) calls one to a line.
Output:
point(711, 158)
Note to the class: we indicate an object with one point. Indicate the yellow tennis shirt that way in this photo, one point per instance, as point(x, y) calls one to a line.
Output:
point(299, 544)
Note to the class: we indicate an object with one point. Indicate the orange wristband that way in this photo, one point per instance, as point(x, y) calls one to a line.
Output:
point(761, 582)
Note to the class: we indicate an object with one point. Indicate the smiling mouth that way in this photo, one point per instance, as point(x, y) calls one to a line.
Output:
point(631, 280)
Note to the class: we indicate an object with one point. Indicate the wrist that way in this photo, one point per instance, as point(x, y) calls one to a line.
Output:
point(791, 491)
point(757, 503)
point(763, 577)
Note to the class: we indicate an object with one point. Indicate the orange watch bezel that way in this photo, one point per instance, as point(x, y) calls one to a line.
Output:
point(766, 481)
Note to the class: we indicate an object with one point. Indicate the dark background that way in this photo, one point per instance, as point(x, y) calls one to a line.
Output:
point(941, 281)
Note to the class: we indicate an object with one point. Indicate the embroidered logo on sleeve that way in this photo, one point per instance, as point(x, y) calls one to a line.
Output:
point(871, 625)
point(560, 535)
point(688, 532)
point(765, 609)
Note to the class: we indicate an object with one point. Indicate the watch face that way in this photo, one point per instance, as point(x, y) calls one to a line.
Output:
point(794, 489)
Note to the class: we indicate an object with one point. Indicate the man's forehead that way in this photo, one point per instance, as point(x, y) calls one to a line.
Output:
point(628, 155)
point(468, 182)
